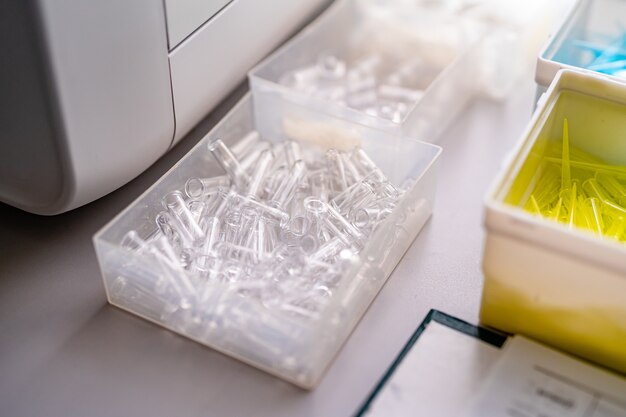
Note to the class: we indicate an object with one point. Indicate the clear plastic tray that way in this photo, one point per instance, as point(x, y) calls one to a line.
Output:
point(295, 349)
point(561, 285)
point(445, 46)
point(514, 32)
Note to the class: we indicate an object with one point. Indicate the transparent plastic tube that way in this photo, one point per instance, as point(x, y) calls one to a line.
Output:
point(268, 212)
point(308, 244)
point(315, 212)
point(352, 172)
point(367, 217)
point(175, 277)
point(164, 224)
point(319, 185)
point(288, 186)
point(196, 207)
point(133, 242)
point(177, 255)
point(328, 250)
point(326, 222)
point(218, 204)
point(274, 179)
point(212, 233)
point(183, 219)
point(248, 162)
point(297, 226)
point(344, 225)
point(229, 162)
point(366, 166)
point(237, 255)
point(280, 154)
point(245, 145)
point(387, 189)
point(232, 228)
point(293, 152)
point(266, 239)
point(142, 269)
point(296, 205)
point(258, 176)
point(249, 221)
point(201, 187)
point(353, 197)
point(338, 180)
point(145, 301)
point(295, 230)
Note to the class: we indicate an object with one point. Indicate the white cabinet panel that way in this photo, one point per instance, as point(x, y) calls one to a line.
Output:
point(210, 63)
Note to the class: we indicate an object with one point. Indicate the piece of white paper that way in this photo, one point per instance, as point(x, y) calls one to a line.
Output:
point(532, 380)
point(437, 377)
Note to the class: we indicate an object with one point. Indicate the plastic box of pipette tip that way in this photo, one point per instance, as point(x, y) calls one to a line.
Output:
point(591, 37)
point(260, 317)
point(409, 77)
point(554, 256)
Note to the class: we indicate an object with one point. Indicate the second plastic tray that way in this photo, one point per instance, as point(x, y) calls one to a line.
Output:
point(430, 59)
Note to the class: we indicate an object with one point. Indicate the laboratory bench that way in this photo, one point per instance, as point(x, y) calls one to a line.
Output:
point(65, 352)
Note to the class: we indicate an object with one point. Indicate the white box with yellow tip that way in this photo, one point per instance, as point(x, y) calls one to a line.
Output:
point(561, 285)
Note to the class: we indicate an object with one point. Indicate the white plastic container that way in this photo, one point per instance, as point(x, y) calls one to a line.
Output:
point(565, 287)
point(594, 22)
point(296, 350)
point(349, 30)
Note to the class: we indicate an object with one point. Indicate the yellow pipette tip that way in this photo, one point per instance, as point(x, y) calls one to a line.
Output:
point(566, 176)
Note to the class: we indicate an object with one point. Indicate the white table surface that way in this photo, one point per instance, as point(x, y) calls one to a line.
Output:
point(65, 352)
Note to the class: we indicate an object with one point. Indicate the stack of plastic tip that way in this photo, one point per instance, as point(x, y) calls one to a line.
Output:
point(277, 231)
point(580, 191)
point(368, 84)
point(605, 57)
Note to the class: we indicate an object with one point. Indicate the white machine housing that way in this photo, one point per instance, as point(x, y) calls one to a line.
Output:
point(93, 92)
